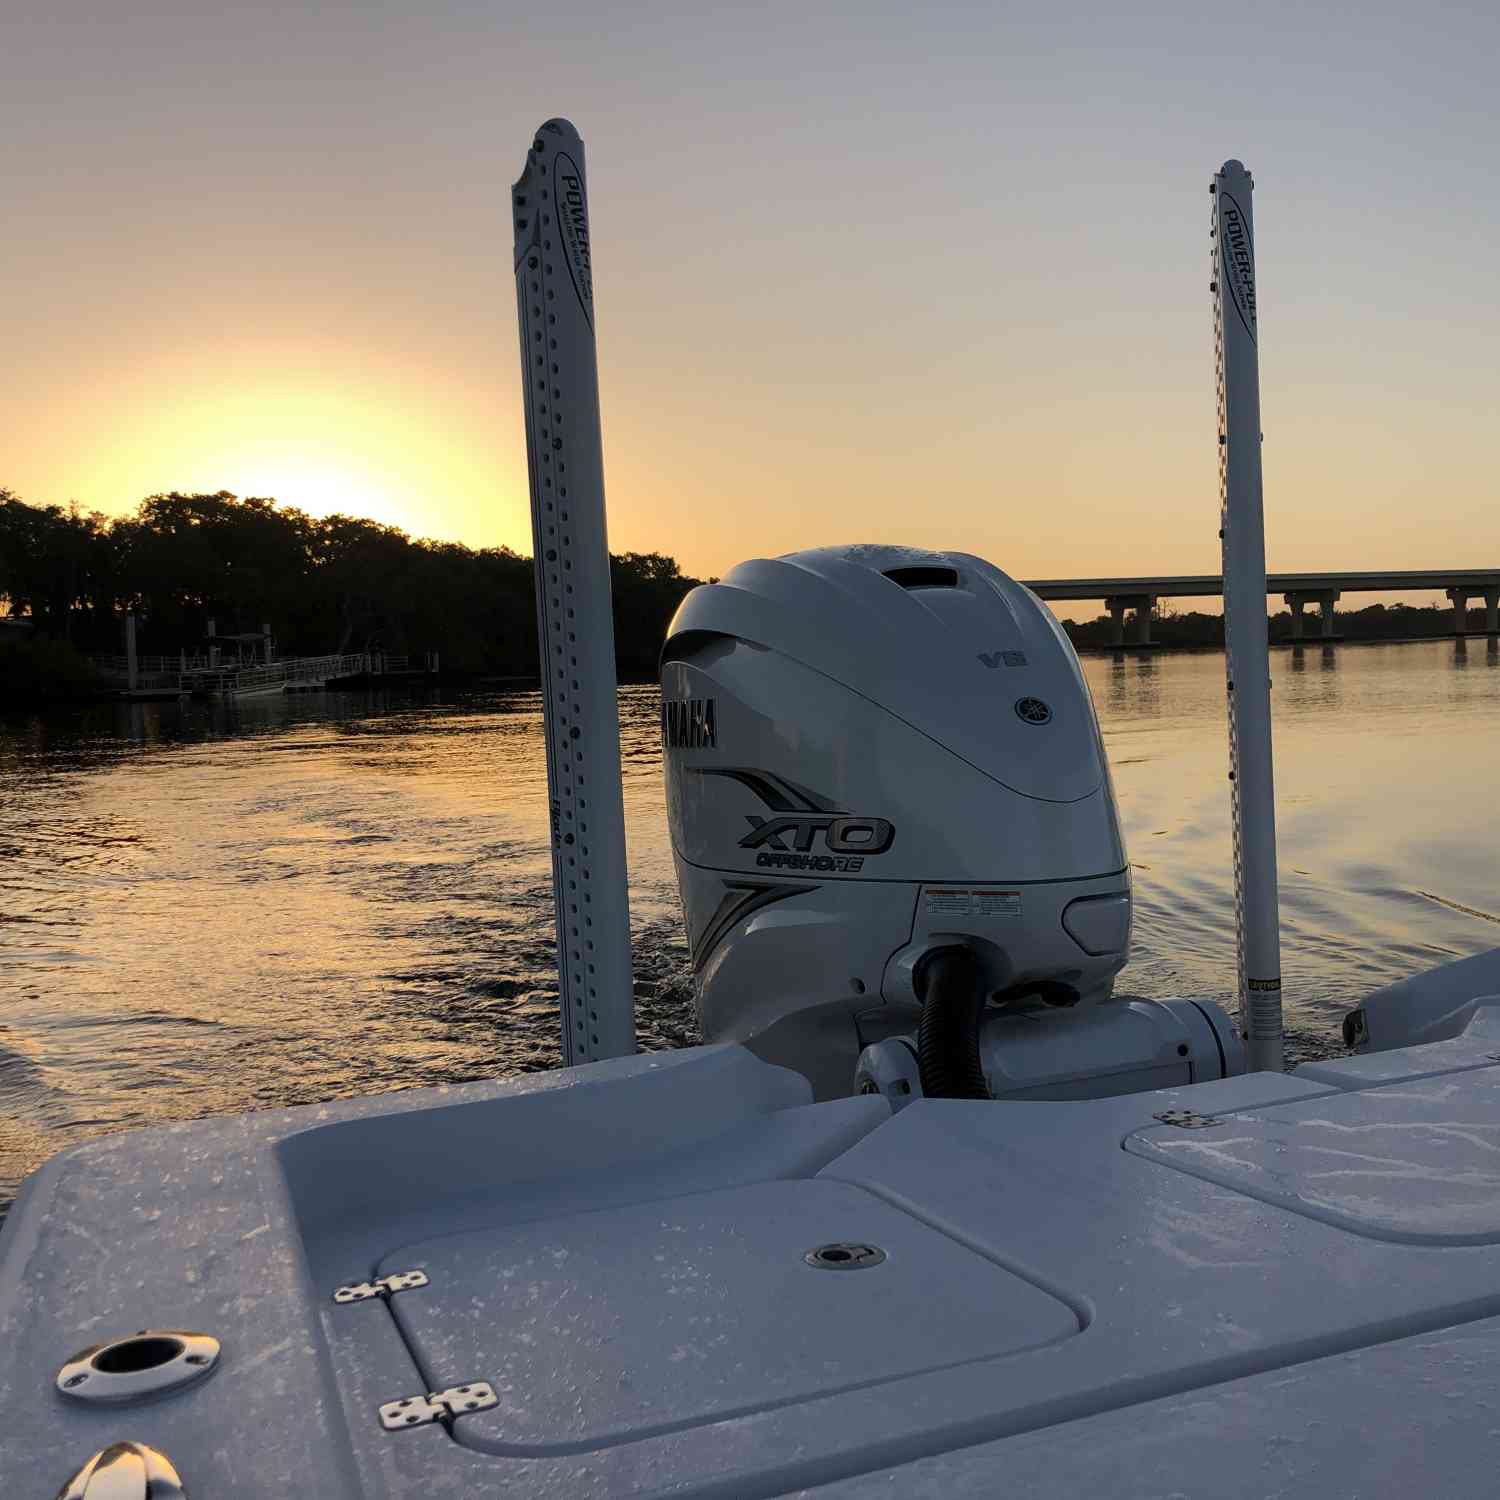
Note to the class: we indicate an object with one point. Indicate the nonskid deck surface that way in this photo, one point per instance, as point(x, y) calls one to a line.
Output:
point(1081, 1297)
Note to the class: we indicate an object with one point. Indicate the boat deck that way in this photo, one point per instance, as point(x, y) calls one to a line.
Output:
point(1057, 1299)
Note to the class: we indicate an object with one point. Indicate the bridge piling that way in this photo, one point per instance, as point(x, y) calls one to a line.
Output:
point(1476, 581)
point(1295, 602)
point(1142, 605)
point(1459, 597)
point(1325, 599)
point(1141, 592)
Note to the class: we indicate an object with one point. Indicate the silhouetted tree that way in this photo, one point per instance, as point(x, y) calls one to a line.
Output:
point(339, 583)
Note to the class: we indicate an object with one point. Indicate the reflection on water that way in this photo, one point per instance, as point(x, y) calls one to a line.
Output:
point(1383, 775)
point(1324, 658)
point(208, 908)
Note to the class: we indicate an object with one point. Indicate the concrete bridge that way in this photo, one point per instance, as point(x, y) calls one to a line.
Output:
point(1139, 595)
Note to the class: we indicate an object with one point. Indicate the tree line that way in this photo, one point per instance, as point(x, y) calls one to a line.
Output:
point(339, 583)
point(335, 583)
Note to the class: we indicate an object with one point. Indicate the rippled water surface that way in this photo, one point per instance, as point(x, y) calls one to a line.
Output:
point(208, 908)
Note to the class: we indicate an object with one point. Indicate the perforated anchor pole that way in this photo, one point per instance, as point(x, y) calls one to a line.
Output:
point(1246, 649)
point(560, 379)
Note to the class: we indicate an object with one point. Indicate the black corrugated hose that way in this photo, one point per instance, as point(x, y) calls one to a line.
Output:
point(953, 1001)
point(948, 1036)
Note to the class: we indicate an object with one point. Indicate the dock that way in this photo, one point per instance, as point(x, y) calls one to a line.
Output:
point(199, 676)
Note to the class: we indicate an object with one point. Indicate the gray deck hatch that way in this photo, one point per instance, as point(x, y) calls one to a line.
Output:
point(1415, 1162)
point(602, 1328)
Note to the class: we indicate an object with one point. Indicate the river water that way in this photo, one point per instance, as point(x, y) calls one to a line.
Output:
point(207, 908)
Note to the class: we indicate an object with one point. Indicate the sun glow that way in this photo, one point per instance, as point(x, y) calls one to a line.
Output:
point(318, 480)
point(326, 440)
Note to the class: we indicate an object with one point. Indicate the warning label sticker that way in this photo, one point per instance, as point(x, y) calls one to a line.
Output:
point(997, 903)
point(974, 901)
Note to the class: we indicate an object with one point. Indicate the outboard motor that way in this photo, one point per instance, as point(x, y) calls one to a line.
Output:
point(890, 811)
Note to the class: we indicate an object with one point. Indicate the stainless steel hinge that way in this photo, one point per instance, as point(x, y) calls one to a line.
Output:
point(438, 1406)
point(1186, 1119)
point(386, 1286)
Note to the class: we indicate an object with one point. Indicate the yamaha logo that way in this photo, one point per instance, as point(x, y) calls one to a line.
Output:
point(1032, 711)
point(689, 724)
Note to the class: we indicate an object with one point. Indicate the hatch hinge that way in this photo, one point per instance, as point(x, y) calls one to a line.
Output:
point(438, 1406)
point(1186, 1119)
point(386, 1286)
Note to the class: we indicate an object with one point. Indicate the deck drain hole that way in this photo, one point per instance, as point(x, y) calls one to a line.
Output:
point(139, 1366)
point(131, 1356)
point(843, 1256)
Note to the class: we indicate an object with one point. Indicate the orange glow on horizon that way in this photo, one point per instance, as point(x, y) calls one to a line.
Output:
point(325, 441)
point(957, 305)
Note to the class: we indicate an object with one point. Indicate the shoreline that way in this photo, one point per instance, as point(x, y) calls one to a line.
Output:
point(80, 695)
point(1153, 648)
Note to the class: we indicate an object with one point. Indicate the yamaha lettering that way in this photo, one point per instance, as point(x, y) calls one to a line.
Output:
point(689, 724)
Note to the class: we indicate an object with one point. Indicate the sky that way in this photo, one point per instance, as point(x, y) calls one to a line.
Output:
point(935, 275)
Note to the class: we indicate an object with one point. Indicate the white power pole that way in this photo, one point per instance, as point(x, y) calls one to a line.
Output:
point(560, 379)
point(1246, 651)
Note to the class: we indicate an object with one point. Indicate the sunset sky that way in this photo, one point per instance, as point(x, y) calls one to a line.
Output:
point(926, 274)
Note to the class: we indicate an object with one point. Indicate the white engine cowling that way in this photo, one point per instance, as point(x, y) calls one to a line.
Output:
point(873, 753)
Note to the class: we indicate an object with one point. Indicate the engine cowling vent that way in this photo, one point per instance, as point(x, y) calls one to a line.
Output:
point(924, 577)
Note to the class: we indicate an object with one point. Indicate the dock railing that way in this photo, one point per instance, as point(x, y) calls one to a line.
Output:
point(200, 675)
point(296, 671)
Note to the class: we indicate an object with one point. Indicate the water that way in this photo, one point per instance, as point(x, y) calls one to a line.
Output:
point(208, 908)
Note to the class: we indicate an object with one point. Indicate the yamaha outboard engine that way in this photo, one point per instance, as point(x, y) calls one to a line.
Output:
point(884, 777)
